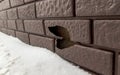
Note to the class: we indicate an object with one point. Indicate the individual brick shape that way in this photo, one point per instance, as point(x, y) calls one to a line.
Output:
point(90, 58)
point(12, 24)
point(28, 1)
point(23, 36)
point(97, 7)
point(1, 23)
point(54, 8)
point(78, 29)
point(16, 2)
point(107, 33)
point(12, 13)
point(4, 4)
point(27, 11)
point(42, 42)
point(3, 15)
point(34, 26)
point(20, 25)
point(11, 32)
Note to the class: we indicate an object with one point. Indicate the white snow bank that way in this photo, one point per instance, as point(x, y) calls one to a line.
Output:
point(18, 58)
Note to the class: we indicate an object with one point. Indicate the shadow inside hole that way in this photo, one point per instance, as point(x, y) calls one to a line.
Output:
point(61, 44)
point(59, 31)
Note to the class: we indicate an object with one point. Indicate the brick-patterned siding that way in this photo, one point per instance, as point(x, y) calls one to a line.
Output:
point(84, 32)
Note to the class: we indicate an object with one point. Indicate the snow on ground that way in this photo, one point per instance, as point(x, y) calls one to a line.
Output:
point(18, 58)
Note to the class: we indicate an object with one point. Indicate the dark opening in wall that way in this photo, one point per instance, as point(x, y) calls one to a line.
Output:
point(59, 31)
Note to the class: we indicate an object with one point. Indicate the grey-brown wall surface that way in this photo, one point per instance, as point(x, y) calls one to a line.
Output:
point(84, 32)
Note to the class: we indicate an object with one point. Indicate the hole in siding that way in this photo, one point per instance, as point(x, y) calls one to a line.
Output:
point(59, 31)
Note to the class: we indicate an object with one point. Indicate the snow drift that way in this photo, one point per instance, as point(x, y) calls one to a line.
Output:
point(18, 58)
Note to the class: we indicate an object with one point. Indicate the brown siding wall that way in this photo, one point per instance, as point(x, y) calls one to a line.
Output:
point(84, 32)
